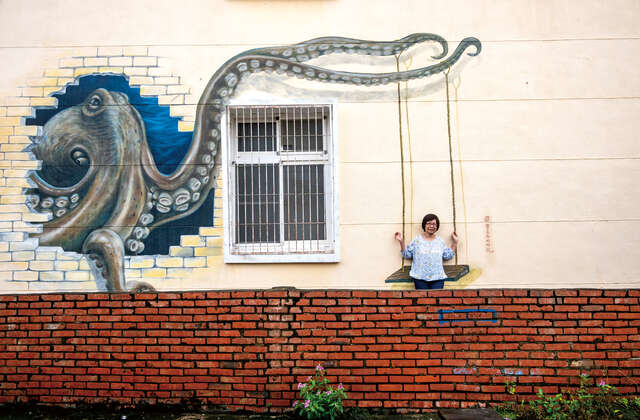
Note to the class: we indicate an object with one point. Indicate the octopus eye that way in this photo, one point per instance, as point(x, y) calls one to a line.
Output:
point(80, 157)
point(95, 102)
point(94, 105)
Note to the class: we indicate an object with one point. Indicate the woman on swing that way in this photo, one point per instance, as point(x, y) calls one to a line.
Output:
point(427, 252)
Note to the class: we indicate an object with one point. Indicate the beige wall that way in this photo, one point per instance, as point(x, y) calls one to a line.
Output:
point(544, 132)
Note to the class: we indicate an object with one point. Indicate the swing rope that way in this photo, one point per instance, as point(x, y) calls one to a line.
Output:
point(453, 188)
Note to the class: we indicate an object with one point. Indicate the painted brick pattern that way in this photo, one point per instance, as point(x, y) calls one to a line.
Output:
point(403, 350)
point(24, 266)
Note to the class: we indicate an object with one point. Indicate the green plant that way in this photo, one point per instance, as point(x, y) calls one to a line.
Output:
point(603, 403)
point(318, 400)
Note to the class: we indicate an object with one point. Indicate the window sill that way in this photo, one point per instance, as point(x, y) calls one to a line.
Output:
point(281, 258)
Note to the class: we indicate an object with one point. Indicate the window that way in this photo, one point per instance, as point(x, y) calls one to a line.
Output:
point(280, 190)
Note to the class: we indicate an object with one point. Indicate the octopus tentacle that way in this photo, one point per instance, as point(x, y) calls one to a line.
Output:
point(195, 177)
point(54, 191)
point(317, 47)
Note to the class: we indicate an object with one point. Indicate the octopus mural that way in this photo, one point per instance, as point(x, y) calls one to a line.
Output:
point(99, 180)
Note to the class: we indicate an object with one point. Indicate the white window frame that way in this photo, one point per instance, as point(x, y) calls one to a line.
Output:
point(270, 252)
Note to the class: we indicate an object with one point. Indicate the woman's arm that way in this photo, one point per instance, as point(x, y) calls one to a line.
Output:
point(454, 241)
point(400, 238)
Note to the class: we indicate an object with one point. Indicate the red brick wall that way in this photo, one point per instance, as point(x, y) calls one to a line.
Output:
point(249, 349)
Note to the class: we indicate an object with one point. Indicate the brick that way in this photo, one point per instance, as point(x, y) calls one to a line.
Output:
point(191, 240)
point(145, 61)
point(95, 61)
point(135, 50)
point(120, 61)
point(152, 90)
point(168, 261)
point(110, 51)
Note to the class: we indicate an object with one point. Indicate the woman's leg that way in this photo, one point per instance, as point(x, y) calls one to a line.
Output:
point(421, 284)
point(436, 284)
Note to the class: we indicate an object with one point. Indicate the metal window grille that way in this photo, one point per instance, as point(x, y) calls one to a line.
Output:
point(280, 179)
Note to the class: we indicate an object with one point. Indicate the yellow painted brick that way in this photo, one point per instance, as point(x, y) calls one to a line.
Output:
point(6, 131)
point(191, 240)
point(20, 139)
point(9, 121)
point(185, 126)
point(159, 71)
point(84, 51)
point(168, 261)
point(110, 69)
point(51, 275)
point(9, 217)
point(76, 275)
point(109, 51)
point(13, 208)
point(135, 71)
point(195, 262)
point(215, 261)
point(4, 246)
point(132, 274)
point(167, 80)
point(12, 199)
point(63, 81)
point(67, 256)
point(19, 111)
point(178, 89)
point(16, 101)
point(211, 231)
point(84, 265)
point(18, 155)
point(49, 90)
point(32, 91)
point(3, 112)
point(179, 251)
point(45, 255)
point(154, 272)
point(153, 90)
point(42, 81)
point(11, 147)
point(141, 262)
point(48, 101)
point(41, 265)
point(207, 251)
point(215, 241)
point(218, 193)
point(26, 164)
point(180, 110)
point(85, 70)
point(14, 266)
point(218, 222)
point(27, 130)
point(5, 256)
point(121, 61)
point(25, 275)
point(26, 227)
point(140, 80)
point(17, 182)
point(135, 50)
point(58, 73)
point(23, 256)
point(179, 273)
point(95, 61)
point(66, 265)
point(145, 61)
point(170, 99)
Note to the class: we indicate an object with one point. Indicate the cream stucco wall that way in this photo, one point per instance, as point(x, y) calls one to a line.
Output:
point(544, 132)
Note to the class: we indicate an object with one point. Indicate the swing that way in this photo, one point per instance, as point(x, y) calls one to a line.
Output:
point(453, 272)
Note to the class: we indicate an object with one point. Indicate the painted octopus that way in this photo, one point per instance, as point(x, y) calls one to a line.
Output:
point(99, 181)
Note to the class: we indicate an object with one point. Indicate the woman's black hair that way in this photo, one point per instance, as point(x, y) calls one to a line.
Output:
point(429, 217)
